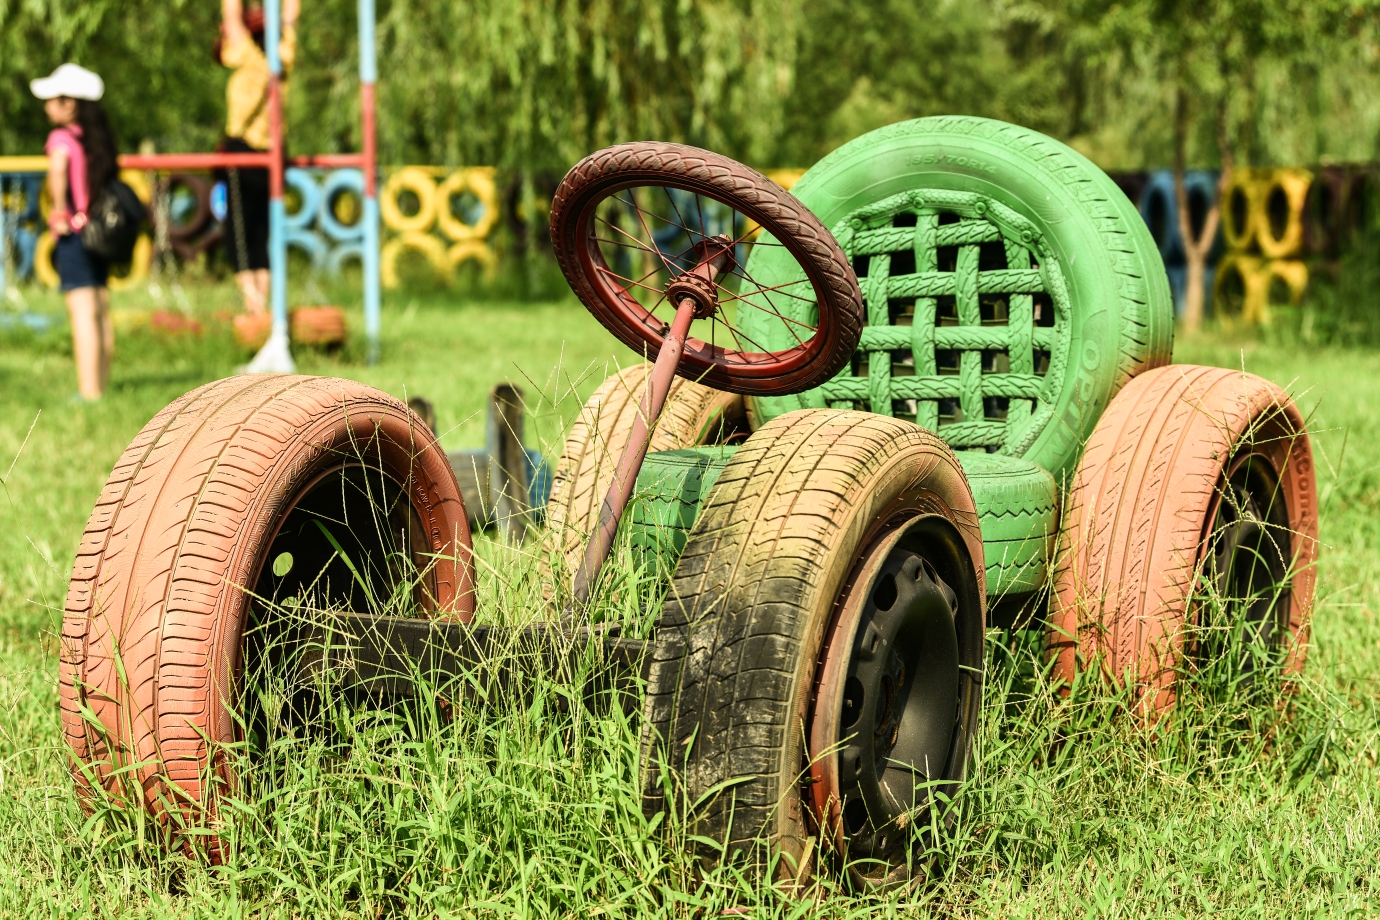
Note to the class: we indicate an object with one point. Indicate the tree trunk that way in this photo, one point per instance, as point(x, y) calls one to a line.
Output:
point(1196, 247)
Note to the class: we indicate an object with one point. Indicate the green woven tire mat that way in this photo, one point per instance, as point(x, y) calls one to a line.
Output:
point(1018, 510)
point(671, 488)
point(1011, 287)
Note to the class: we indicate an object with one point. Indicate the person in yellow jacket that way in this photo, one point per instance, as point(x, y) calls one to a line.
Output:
point(241, 48)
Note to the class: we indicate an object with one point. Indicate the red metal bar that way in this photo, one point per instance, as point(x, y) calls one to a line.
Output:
point(328, 160)
point(620, 490)
point(367, 127)
point(169, 161)
point(275, 137)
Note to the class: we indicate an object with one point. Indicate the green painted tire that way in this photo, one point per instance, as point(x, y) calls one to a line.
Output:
point(975, 217)
point(1018, 510)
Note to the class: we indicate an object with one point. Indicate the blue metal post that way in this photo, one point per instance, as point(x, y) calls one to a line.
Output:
point(368, 76)
point(277, 215)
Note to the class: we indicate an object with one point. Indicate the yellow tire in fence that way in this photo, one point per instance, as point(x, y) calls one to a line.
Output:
point(1292, 275)
point(473, 250)
point(1241, 209)
point(1281, 198)
point(138, 266)
point(138, 180)
point(44, 270)
point(1240, 289)
point(419, 182)
point(786, 178)
point(47, 273)
point(479, 181)
point(427, 245)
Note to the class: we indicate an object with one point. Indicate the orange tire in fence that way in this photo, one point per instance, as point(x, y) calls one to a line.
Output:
point(1196, 480)
point(218, 491)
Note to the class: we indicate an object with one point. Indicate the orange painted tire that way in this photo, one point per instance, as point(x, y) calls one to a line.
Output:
point(1178, 469)
point(200, 510)
point(320, 325)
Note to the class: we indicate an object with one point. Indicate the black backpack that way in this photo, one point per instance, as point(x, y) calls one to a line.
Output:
point(113, 222)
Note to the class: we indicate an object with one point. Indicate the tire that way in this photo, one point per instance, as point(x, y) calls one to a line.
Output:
point(1146, 512)
point(1113, 319)
point(1283, 199)
point(217, 484)
point(478, 180)
point(420, 183)
point(310, 192)
point(337, 183)
point(426, 244)
point(694, 415)
point(321, 325)
point(1018, 508)
point(200, 189)
point(735, 658)
point(791, 368)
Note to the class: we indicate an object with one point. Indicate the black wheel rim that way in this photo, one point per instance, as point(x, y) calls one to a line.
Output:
point(1243, 614)
point(902, 734)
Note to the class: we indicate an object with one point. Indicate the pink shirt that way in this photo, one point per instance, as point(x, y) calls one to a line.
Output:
point(66, 138)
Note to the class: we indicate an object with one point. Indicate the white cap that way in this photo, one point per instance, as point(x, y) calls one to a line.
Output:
point(69, 80)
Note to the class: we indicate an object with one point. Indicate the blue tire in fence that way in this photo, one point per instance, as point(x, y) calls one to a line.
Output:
point(1159, 207)
point(310, 192)
point(342, 180)
point(310, 243)
point(344, 252)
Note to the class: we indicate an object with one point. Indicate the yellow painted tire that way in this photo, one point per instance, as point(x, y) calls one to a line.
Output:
point(44, 269)
point(138, 266)
point(1285, 191)
point(138, 180)
point(1253, 279)
point(1293, 274)
point(480, 181)
point(427, 245)
point(419, 182)
point(1241, 210)
point(475, 250)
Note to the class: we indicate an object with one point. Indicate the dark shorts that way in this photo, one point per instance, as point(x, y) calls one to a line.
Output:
point(76, 267)
point(246, 213)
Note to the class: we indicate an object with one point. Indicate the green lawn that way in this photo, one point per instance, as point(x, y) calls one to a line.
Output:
point(1074, 810)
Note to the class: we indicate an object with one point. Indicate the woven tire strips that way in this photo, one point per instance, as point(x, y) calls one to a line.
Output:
point(654, 163)
point(755, 588)
point(1134, 534)
point(694, 415)
point(1060, 222)
point(157, 604)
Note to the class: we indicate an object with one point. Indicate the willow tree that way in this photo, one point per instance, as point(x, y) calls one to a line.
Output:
point(540, 83)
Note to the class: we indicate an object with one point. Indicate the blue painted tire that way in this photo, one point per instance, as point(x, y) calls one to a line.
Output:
point(335, 263)
point(306, 186)
point(342, 180)
point(310, 243)
point(1159, 195)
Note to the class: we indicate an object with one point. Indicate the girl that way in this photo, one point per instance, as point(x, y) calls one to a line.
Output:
point(81, 160)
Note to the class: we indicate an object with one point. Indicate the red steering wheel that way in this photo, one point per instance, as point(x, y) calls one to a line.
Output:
point(639, 228)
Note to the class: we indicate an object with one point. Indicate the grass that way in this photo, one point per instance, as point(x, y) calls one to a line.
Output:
point(1073, 810)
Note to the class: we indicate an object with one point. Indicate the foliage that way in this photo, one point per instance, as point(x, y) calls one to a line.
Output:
point(539, 83)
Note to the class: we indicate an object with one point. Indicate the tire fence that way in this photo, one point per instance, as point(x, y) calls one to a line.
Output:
point(1278, 227)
